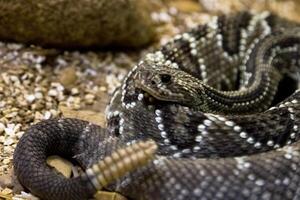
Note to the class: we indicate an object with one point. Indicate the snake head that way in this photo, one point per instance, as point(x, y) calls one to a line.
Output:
point(168, 84)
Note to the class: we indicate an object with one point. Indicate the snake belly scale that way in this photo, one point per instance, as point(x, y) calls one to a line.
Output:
point(221, 106)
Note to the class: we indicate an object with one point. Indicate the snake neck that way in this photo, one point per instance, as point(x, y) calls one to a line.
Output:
point(244, 100)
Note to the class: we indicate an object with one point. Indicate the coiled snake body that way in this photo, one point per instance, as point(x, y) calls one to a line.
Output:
point(221, 104)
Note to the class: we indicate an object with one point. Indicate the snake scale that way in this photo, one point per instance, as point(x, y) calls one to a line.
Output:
point(220, 103)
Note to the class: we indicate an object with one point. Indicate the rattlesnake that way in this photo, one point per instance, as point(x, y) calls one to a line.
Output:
point(221, 104)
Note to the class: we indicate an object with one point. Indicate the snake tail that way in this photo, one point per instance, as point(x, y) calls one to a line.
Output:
point(60, 137)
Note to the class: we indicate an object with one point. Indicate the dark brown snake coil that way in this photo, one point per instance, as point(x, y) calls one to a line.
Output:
point(221, 104)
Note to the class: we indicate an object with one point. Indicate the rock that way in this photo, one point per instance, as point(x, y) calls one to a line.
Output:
point(25, 196)
point(186, 5)
point(6, 191)
point(5, 196)
point(61, 165)
point(6, 180)
point(67, 77)
point(103, 195)
point(77, 24)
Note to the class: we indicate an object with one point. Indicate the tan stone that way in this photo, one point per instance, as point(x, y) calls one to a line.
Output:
point(103, 195)
point(77, 24)
point(186, 5)
point(88, 115)
point(61, 165)
point(68, 77)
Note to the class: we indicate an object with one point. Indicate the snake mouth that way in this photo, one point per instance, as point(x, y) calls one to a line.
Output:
point(162, 95)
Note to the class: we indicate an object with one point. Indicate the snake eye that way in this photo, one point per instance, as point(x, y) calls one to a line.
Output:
point(165, 78)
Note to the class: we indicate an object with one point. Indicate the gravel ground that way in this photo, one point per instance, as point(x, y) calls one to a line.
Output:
point(38, 84)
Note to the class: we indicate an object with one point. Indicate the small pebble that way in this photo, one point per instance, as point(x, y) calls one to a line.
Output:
point(30, 98)
point(8, 142)
point(53, 93)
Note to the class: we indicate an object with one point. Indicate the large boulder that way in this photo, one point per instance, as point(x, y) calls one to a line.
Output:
point(76, 24)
